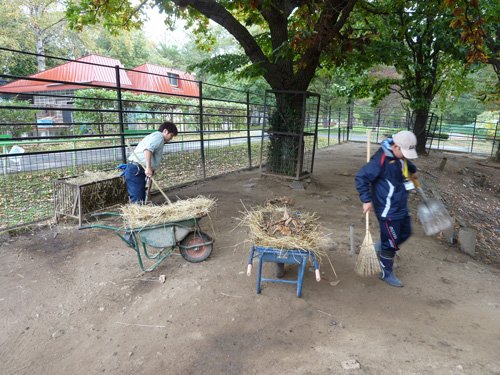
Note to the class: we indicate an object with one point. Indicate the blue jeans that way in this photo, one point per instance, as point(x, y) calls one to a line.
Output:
point(393, 233)
point(135, 177)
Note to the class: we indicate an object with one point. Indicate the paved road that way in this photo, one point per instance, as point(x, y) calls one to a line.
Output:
point(84, 157)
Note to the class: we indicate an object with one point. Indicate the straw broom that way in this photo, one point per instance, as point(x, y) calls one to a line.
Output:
point(367, 263)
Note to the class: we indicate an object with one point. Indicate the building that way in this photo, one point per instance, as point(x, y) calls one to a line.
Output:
point(53, 89)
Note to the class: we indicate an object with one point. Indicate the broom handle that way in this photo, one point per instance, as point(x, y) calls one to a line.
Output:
point(151, 178)
point(368, 140)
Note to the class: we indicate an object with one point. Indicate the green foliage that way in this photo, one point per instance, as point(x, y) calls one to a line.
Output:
point(16, 118)
point(119, 14)
point(96, 109)
point(14, 34)
point(221, 64)
point(343, 81)
point(102, 118)
point(37, 26)
point(417, 40)
point(131, 48)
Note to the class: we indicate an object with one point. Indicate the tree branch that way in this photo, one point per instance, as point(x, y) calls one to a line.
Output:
point(400, 91)
point(403, 23)
point(139, 7)
point(328, 27)
point(278, 27)
point(52, 25)
point(219, 14)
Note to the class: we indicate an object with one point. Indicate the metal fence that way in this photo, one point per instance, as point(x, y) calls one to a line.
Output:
point(64, 127)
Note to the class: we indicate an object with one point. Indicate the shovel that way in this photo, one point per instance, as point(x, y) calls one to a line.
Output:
point(432, 213)
point(148, 189)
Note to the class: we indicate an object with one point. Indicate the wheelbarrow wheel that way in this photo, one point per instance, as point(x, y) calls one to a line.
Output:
point(193, 253)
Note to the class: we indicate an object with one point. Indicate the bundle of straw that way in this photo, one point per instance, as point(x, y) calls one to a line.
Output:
point(139, 216)
point(367, 263)
point(89, 176)
point(277, 227)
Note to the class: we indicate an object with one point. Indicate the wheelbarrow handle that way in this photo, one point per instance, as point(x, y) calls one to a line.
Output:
point(101, 226)
point(106, 214)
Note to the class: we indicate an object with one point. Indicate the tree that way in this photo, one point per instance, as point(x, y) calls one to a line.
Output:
point(479, 26)
point(468, 98)
point(479, 23)
point(103, 116)
point(416, 38)
point(37, 26)
point(131, 48)
point(45, 17)
point(13, 31)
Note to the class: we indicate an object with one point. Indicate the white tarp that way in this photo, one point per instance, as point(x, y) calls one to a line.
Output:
point(16, 160)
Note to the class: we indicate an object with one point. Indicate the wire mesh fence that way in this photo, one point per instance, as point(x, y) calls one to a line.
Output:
point(54, 125)
point(290, 128)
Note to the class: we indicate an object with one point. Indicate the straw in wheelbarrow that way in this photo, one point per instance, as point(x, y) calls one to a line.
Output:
point(367, 263)
point(139, 216)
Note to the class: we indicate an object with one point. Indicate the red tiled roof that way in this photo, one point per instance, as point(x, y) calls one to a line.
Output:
point(73, 71)
point(158, 80)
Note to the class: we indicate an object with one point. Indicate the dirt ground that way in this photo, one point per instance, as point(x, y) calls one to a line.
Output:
point(75, 302)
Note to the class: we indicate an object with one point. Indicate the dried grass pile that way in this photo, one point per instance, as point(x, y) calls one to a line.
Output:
point(89, 177)
point(281, 228)
point(89, 192)
point(139, 216)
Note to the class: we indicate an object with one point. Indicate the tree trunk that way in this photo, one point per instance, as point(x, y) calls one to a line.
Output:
point(286, 146)
point(40, 50)
point(420, 130)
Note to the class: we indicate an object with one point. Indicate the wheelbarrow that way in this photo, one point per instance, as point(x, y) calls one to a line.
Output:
point(157, 242)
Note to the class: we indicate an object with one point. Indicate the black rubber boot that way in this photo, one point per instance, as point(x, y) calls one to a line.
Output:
point(280, 270)
point(387, 273)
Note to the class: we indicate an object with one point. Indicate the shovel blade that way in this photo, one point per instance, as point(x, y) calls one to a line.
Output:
point(434, 217)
